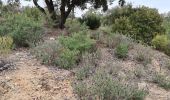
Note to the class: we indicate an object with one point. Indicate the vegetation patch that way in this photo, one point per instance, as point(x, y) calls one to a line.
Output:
point(24, 31)
point(162, 42)
point(162, 81)
point(66, 52)
point(121, 50)
point(92, 20)
point(104, 88)
point(6, 44)
point(134, 22)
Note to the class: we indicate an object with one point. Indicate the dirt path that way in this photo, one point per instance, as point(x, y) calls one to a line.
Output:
point(33, 81)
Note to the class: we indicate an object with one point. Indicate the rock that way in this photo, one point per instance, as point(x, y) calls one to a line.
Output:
point(143, 85)
point(4, 65)
point(39, 86)
point(52, 38)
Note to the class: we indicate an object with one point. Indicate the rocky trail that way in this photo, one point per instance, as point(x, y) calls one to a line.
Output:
point(28, 79)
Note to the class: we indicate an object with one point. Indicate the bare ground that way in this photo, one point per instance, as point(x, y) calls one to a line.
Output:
point(32, 81)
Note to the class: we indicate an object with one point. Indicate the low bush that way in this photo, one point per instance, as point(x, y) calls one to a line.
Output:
point(66, 52)
point(168, 49)
point(24, 31)
point(33, 13)
point(122, 25)
point(67, 58)
point(53, 53)
point(162, 43)
point(121, 50)
point(107, 89)
point(103, 87)
point(75, 26)
point(47, 52)
point(168, 64)
point(162, 81)
point(113, 40)
point(166, 23)
point(106, 29)
point(139, 72)
point(91, 59)
point(78, 41)
point(81, 90)
point(82, 73)
point(144, 55)
point(92, 20)
point(6, 44)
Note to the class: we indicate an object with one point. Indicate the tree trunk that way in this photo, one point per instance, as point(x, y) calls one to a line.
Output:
point(62, 16)
point(64, 13)
point(51, 10)
point(73, 16)
point(62, 21)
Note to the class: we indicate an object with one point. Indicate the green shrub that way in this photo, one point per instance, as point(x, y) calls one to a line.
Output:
point(116, 13)
point(103, 87)
point(92, 20)
point(121, 50)
point(24, 30)
point(6, 43)
point(67, 58)
point(90, 59)
point(113, 40)
point(81, 90)
point(32, 12)
point(167, 49)
point(83, 73)
point(48, 52)
point(160, 42)
point(78, 41)
point(144, 55)
point(75, 26)
point(166, 24)
point(122, 25)
point(147, 25)
point(143, 58)
point(135, 22)
point(162, 81)
point(76, 44)
point(53, 53)
point(106, 29)
point(139, 72)
point(66, 52)
point(168, 65)
point(27, 31)
point(106, 89)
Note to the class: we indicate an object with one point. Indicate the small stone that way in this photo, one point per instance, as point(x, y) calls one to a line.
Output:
point(142, 85)
point(39, 86)
point(8, 78)
point(52, 38)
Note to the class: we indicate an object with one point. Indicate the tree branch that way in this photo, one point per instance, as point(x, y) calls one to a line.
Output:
point(39, 7)
point(70, 7)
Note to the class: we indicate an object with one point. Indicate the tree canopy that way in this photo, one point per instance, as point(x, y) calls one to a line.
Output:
point(66, 6)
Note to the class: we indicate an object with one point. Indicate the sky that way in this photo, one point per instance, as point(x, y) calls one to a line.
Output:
point(162, 5)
